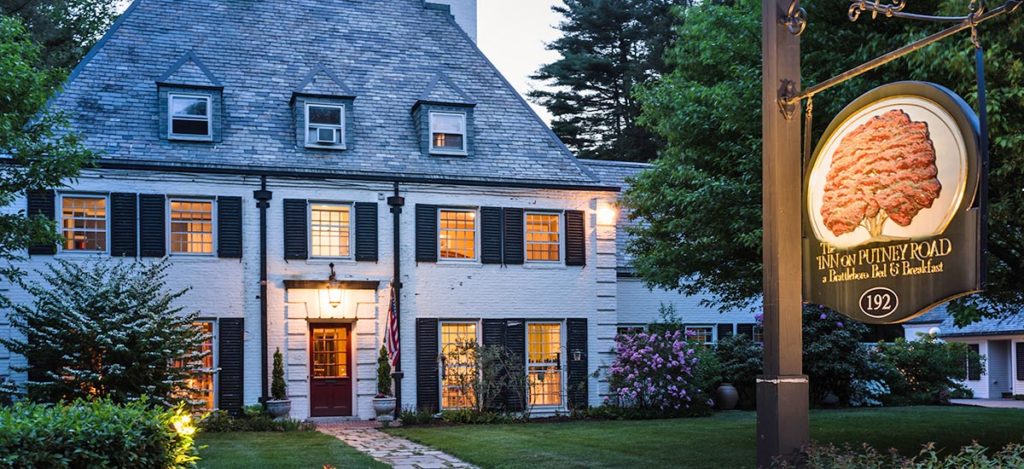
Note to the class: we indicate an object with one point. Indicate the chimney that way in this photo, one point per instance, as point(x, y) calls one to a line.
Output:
point(464, 12)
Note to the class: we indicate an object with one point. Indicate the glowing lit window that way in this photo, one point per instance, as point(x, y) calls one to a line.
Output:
point(201, 385)
point(544, 364)
point(84, 223)
point(331, 230)
point(457, 234)
point(191, 226)
point(542, 237)
point(447, 132)
point(189, 117)
point(330, 352)
point(701, 335)
point(458, 372)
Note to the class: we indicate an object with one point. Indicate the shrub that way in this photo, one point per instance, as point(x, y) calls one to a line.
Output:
point(973, 456)
point(383, 373)
point(924, 371)
point(413, 416)
point(655, 371)
point(106, 329)
point(488, 374)
point(614, 412)
point(741, 359)
point(278, 388)
point(96, 434)
point(833, 354)
point(253, 419)
point(473, 416)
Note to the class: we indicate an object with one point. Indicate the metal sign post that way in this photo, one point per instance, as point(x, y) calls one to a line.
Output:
point(782, 392)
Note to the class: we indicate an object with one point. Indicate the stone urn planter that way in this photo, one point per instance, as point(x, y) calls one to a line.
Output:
point(726, 396)
point(279, 408)
point(385, 408)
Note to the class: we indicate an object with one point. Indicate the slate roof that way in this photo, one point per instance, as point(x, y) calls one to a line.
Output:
point(617, 173)
point(388, 53)
point(985, 327)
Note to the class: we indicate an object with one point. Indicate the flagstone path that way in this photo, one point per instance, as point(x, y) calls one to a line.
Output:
point(389, 449)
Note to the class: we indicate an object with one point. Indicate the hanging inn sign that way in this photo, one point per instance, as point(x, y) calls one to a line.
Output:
point(892, 211)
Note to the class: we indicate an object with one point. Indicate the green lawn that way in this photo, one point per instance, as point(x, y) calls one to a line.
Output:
point(724, 440)
point(306, 450)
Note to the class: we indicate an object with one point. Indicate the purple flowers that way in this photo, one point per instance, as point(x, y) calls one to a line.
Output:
point(653, 370)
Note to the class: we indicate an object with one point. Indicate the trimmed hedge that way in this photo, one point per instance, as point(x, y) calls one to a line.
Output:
point(95, 434)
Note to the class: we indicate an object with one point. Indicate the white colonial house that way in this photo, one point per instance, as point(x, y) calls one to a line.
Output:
point(261, 145)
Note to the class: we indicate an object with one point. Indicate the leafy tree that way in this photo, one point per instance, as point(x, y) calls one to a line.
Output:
point(607, 47)
point(65, 28)
point(36, 154)
point(924, 371)
point(108, 330)
point(701, 203)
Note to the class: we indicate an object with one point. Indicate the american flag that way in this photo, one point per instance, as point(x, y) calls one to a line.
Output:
point(391, 335)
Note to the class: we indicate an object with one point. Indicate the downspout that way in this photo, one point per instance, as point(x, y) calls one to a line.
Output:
point(396, 202)
point(263, 197)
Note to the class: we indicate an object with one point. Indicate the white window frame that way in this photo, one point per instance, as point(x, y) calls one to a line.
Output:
point(712, 338)
point(215, 353)
point(440, 354)
point(213, 227)
point(340, 127)
point(170, 118)
point(351, 228)
point(561, 238)
point(562, 365)
point(476, 236)
point(465, 134)
point(60, 221)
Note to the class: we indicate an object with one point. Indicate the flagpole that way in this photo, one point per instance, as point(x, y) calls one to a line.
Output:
point(396, 202)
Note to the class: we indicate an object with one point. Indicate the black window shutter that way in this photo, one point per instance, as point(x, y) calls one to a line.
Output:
point(1020, 361)
point(230, 346)
point(490, 235)
point(747, 329)
point(494, 336)
point(513, 245)
point(152, 225)
point(576, 340)
point(515, 343)
point(426, 233)
point(725, 330)
point(575, 238)
point(428, 380)
point(42, 203)
point(229, 227)
point(973, 372)
point(296, 241)
point(366, 231)
point(124, 225)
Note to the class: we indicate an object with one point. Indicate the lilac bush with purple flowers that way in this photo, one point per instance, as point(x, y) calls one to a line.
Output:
point(656, 370)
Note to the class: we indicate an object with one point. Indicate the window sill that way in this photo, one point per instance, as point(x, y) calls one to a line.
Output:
point(80, 254)
point(325, 147)
point(330, 260)
point(453, 263)
point(192, 257)
point(186, 138)
point(437, 152)
point(544, 265)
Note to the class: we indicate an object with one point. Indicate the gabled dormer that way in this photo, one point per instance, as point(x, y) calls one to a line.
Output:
point(191, 101)
point(323, 111)
point(444, 119)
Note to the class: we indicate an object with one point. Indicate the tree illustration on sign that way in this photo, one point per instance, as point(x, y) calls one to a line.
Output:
point(885, 169)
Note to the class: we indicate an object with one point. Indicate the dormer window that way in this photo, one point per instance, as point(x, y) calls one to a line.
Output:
point(189, 117)
point(325, 125)
point(448, 133)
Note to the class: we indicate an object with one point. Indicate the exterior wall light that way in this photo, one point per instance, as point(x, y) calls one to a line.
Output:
point(607, 214)
point(333, 289)
point(577, 355)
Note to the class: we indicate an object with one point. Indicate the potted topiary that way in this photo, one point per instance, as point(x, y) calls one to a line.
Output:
point(384, 401)
point(279, 405)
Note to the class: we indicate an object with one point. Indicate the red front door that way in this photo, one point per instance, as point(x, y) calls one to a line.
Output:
point(330, 376)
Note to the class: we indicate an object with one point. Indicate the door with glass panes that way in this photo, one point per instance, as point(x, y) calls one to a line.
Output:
point(331, 367)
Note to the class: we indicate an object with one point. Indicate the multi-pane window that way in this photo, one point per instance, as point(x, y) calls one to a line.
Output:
point(448, 132)
point(330, 352)
point(201, 385)
point(458, 371)
point(542, 237)
point(191, 226)
point(457, 234)
point(331, 230)
point(758, 334)
point(544, 363)
point(84, 223)
point(325, 125)
point(189, 116)
point(700, 334)
point(629, 330)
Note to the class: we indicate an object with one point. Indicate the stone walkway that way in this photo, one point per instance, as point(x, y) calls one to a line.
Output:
point(389, 449)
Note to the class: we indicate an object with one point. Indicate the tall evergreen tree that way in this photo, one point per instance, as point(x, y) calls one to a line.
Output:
point(66, 29)
point(607, 48)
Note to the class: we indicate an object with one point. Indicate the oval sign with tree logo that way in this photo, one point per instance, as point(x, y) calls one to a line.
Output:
point(892, 224)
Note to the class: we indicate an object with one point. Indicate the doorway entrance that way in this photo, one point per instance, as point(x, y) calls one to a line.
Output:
point(331, 367)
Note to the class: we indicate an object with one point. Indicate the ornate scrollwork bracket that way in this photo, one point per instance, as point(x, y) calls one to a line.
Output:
point(875, 7)
point(795, 19)
point(787, 105)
